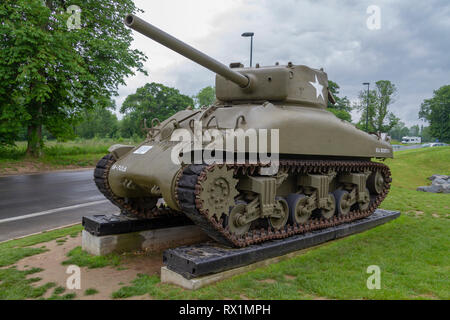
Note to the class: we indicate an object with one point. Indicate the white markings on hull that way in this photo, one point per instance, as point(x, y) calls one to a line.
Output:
point(143, 149)
point(118, 167)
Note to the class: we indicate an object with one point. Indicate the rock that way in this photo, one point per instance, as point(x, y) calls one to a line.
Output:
point(435, 188)
point(440, 184)
point(439, 180)
point(446, 188)
point(435, 176)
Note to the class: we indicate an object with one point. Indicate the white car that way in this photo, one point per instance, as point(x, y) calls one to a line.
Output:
point(435, 144)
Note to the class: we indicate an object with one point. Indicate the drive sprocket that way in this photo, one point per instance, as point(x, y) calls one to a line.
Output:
point(218, 190)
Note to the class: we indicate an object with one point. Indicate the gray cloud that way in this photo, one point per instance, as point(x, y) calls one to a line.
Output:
point(411, 49)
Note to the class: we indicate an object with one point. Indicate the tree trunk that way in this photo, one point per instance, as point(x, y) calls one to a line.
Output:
point(34, 136)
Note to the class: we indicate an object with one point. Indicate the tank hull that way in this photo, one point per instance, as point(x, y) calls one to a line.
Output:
point(306, 130)
point(302, 132)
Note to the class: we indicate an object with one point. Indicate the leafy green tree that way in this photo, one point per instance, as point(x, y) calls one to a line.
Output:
point(49, 75)
point(205, 97)
point(342, 107)
point(341, 114)
point(129, 126)
point(437, 112)
point(414, 131)
point(398, 131)
point(379, 116)
point(99, 122)
point(425, 134)
point(154, 100)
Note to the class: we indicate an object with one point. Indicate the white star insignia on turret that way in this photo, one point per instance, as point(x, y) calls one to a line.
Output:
point(319, 88)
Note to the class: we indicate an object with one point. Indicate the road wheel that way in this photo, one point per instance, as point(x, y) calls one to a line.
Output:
point(233, 221)
point(283, 209)
point(364, 205)
point(329, 211)
point(343, 204)
point(375, 182)
point(298, 211)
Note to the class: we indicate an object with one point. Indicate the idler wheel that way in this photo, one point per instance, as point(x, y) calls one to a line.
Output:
point(329, 211)
point(298, 211)
point(343, 204)
point(283, 210)
point(375, 182)
point(234, 220)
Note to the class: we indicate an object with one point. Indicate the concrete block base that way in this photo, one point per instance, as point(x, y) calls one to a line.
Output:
point(153, 240)
point(169, 276)
point(193, 267)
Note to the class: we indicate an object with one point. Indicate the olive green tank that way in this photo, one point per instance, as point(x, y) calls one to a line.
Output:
point(265, 161)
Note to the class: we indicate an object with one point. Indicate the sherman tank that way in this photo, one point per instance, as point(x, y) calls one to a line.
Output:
point(321, 171)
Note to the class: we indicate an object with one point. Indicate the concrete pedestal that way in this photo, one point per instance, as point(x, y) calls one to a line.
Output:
point(170, 276)
point(154, 240)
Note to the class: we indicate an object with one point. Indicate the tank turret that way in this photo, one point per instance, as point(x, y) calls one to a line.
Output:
point(289, 83)
point(186, 50)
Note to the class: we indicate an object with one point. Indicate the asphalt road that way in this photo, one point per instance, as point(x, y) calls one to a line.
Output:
point(38, 202)
point(398, 147)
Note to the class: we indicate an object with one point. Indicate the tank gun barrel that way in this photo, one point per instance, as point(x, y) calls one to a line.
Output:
point(186, 50)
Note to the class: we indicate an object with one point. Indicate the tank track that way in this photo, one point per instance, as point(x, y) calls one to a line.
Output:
point(188, 189)
point(142, 208)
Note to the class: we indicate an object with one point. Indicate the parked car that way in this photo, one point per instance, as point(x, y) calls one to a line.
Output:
point(434, 144)
point(439, 144)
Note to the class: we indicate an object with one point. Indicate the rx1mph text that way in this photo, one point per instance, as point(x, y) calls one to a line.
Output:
point(226, 309)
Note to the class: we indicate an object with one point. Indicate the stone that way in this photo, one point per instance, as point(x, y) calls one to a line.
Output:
point(439, 181)
point(440, 184)
point(446, 188)
point(434, 188)
point(438, 176)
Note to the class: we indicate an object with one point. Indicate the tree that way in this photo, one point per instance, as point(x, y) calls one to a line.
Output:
point(425, 134)
point(154, 100)
point(99, 122)
point(414, 131)
point(437, 112)
point(49, 75)
point(398, 131)
point(205, 97)
point(342, 107)
point(380, 119)
point(341, 114)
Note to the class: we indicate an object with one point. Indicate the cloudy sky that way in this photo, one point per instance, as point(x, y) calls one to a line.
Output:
point(411, 47)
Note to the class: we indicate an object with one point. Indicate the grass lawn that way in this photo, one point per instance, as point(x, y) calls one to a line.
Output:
point(57, 155)
point(410, 169)
point(411, 251)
